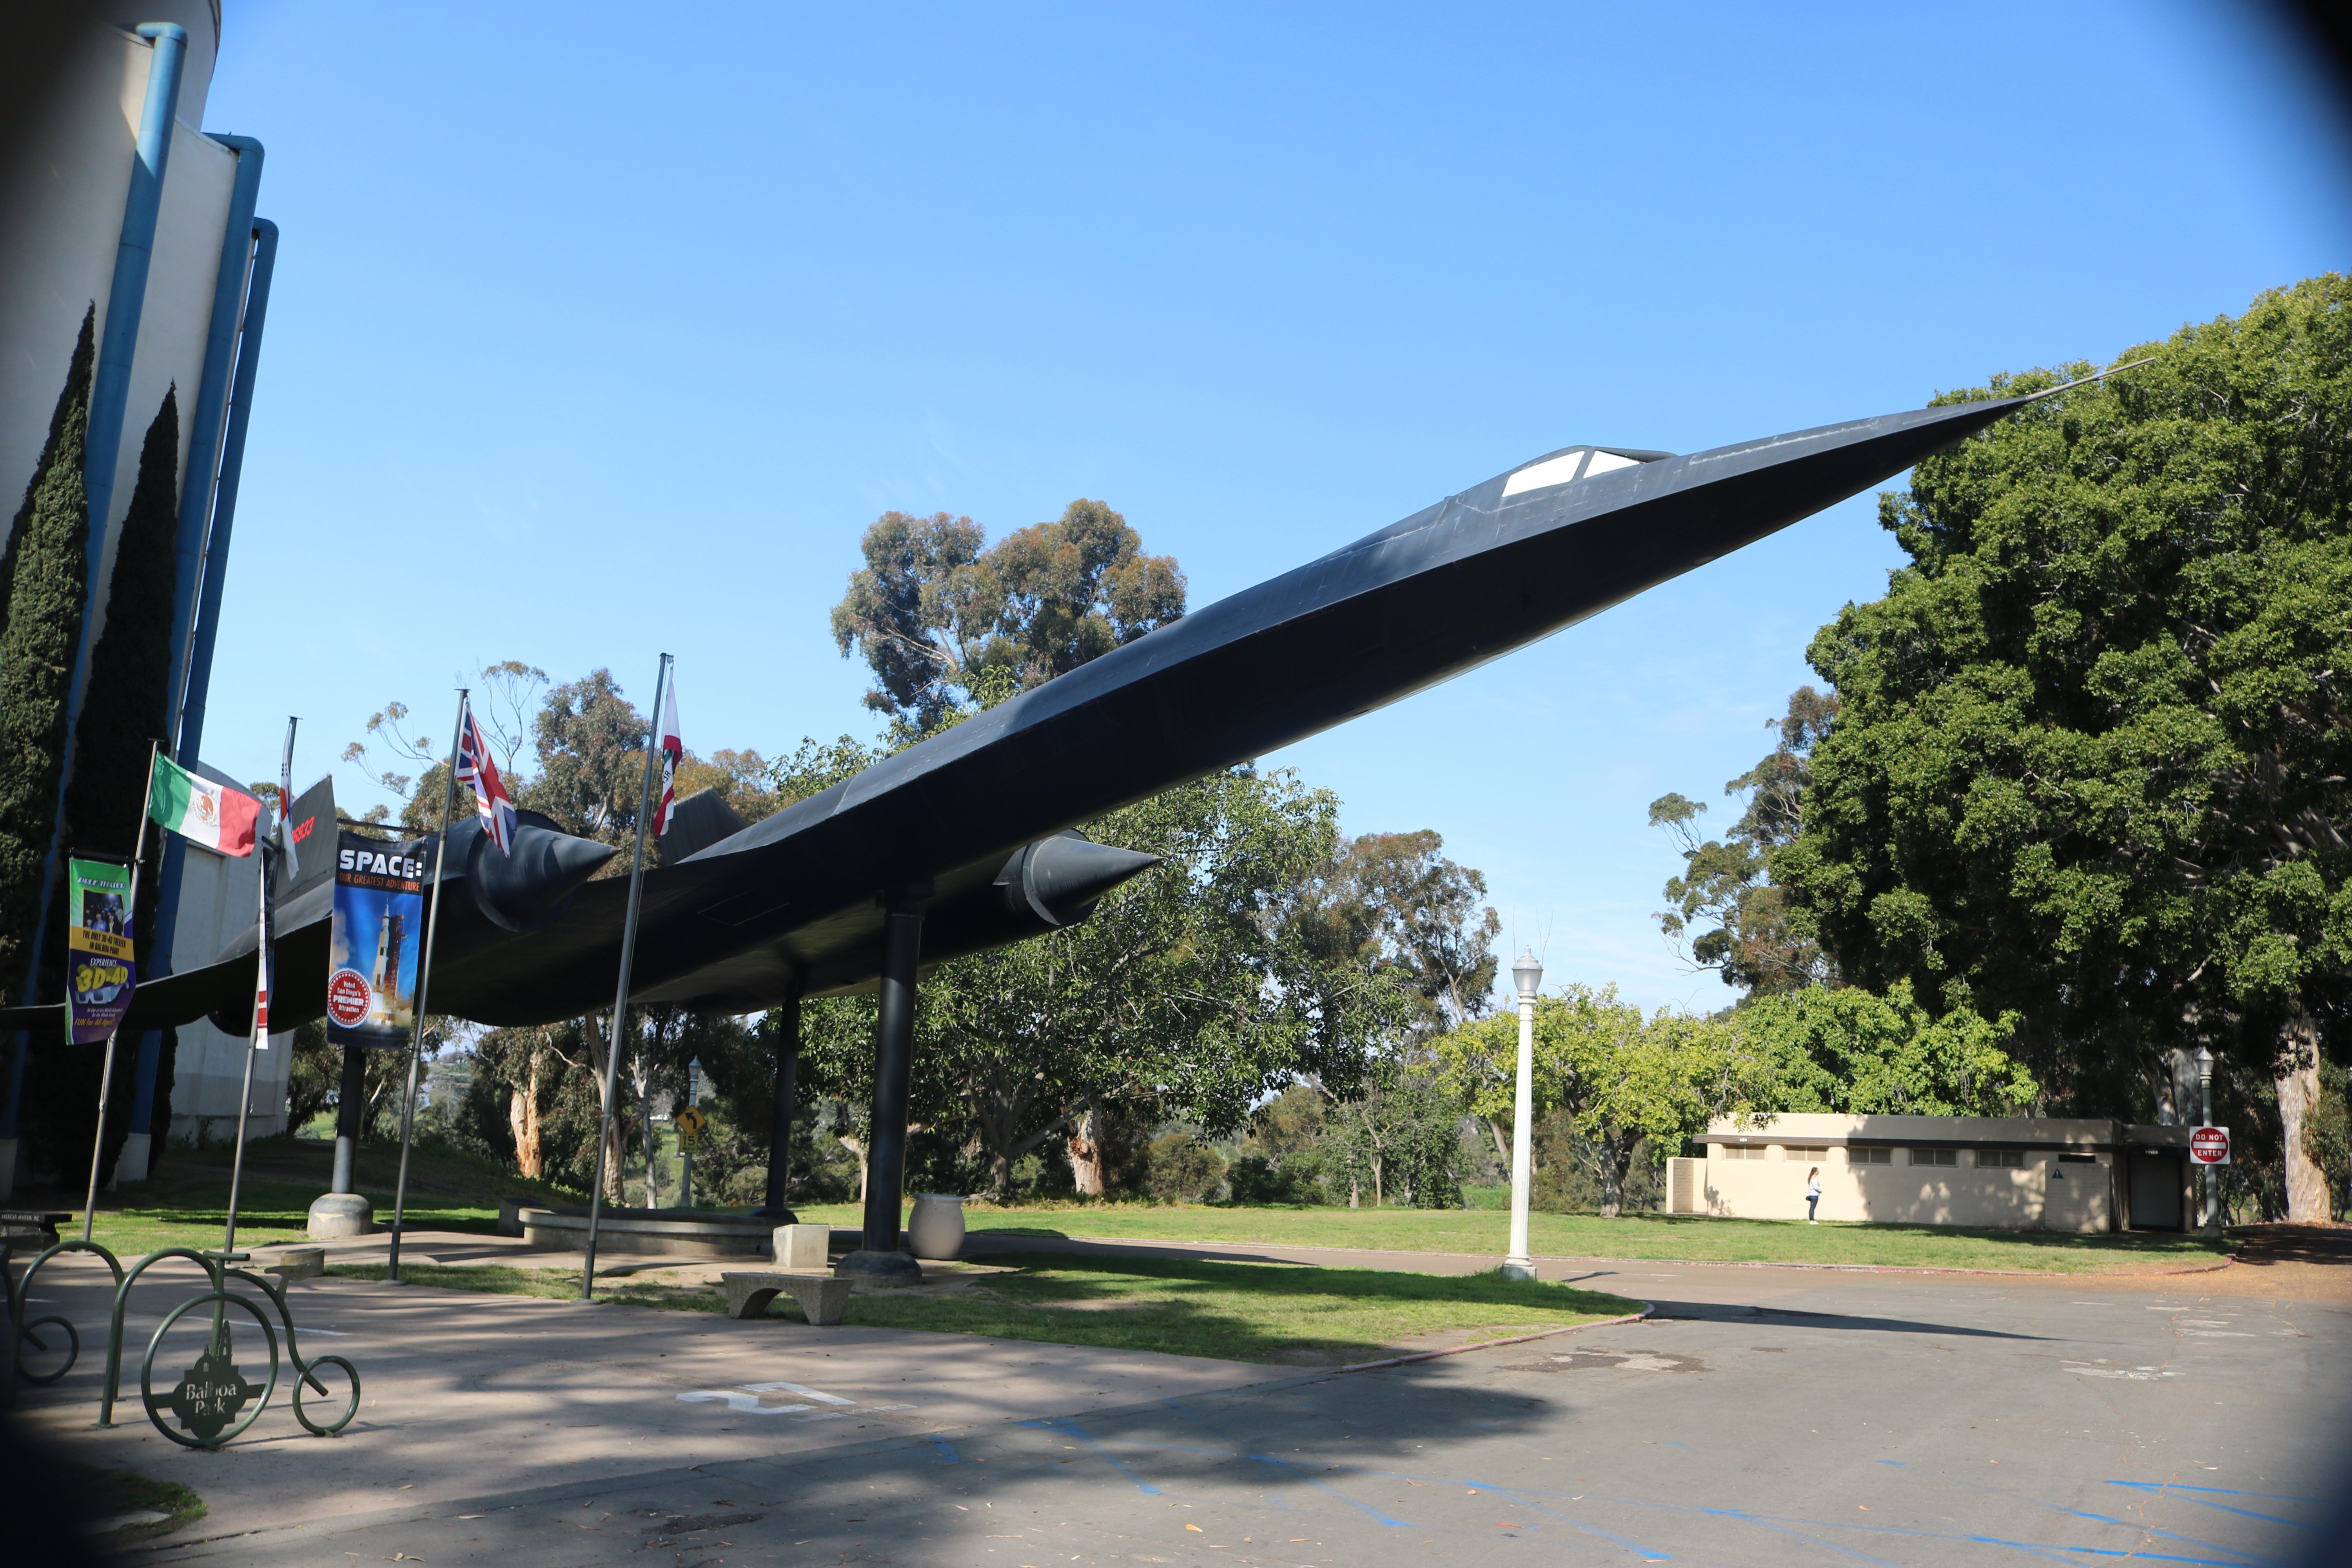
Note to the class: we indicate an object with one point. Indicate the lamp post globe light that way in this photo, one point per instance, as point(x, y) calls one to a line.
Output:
point(2210, 1221)
point(1530, 975)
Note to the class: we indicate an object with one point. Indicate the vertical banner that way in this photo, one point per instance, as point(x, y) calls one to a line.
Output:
point(100, 973)
point(372, 954)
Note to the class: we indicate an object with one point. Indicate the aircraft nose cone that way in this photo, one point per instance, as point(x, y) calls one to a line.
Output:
point(1060, 879)
point(525, 890)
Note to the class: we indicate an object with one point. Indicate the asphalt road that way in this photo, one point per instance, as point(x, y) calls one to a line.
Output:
point(1761, 1416)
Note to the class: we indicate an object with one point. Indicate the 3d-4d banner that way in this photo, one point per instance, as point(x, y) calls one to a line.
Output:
point(100, 975)
point(371, 952)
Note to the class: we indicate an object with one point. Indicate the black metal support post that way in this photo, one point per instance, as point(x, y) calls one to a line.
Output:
point(878, 1256)
point(350, 1117)
point(779, 1143)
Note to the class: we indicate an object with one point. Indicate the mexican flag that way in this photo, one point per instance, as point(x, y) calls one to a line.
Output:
point(214, 815)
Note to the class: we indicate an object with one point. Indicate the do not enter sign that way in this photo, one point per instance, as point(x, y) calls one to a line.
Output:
point(2210, 1145)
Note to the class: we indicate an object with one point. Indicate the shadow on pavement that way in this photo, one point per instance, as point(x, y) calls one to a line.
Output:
point(1732, 1313)
point(2264, 1244)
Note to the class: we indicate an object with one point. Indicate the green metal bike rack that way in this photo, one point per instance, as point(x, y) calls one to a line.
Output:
point(212, 1402)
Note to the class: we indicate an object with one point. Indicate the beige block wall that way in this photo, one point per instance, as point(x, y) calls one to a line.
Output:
point(2043, 1195)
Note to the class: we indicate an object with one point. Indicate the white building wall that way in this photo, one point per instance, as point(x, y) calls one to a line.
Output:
point(2047, 1194)
point(2067, 1179)
point(219, 896)
point(64, 222)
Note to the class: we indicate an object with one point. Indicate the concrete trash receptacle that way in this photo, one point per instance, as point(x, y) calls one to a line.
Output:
point(936, 1229)
point(803, 1245)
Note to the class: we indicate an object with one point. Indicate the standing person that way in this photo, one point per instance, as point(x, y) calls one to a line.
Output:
point(1812, 1193)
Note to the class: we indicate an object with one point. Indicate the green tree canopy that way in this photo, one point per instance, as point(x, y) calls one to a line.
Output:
point(945, 624)
point(1393, 901)
point(1754, 945)
point(1188, 994)
point(1620, 1078)
point(2091, 764)
point(1842, 1048)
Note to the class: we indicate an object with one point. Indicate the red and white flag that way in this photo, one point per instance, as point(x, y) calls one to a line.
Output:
point(491, 797)
point(673, 750)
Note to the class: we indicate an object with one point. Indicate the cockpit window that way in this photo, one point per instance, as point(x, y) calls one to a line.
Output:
point(1566, 467)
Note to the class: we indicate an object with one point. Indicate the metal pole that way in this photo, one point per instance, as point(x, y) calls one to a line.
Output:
point(424, 986)
point(256, 1043)
point(685, 1155)
point(621, 994)
point(780, 1141)
point(131, 924)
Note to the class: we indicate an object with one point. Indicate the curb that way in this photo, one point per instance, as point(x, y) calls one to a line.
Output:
point(1647, 1308)
point(975, 1238)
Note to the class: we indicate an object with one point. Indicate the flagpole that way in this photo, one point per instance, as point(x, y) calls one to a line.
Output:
point(424, 986)
point(130, 925)
point(620, 996)
point(259, 1039)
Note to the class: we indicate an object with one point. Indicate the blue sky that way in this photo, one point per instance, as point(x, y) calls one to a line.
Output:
point(603, 331)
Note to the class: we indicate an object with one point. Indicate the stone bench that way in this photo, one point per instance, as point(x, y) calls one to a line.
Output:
point(298, 1263)
point(820, 1296)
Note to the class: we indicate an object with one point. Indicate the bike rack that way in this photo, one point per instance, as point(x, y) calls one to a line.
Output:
point(208, 1398)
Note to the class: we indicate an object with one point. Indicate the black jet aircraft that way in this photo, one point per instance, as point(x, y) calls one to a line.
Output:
point(967, 841)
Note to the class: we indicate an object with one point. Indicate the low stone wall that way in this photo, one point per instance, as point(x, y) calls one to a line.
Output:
point(687, 1233)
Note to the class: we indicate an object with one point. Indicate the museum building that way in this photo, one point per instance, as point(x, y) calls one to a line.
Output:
point(2013, 1172)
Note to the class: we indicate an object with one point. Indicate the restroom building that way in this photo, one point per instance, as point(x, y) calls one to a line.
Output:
point(2015, 1173)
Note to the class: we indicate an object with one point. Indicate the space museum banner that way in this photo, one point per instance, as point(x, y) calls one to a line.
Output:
point(372, 954)
point(98, 948)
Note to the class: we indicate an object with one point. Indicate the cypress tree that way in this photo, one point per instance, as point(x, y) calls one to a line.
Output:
point(130, 690)
point(125, 704)
point(46, 573)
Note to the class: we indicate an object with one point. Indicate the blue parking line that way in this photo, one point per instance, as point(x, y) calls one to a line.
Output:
point(1071, 1428)
point(2163, 1489)
point(1321, 1485)
point(947, 1456)
point(1652, 1553)
point(2240, 1555)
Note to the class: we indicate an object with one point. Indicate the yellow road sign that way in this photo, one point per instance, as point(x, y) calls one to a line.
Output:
point(690, 1123)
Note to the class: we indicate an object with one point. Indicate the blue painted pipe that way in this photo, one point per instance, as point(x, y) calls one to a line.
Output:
point(211, 419)
point(232, 467)
point(109, 390)
point(212, 570)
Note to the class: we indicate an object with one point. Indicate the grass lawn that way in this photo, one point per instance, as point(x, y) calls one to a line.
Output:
point(1665, 1239)
point(1279, 1314)
point(114, 1494)
point(185, 1201)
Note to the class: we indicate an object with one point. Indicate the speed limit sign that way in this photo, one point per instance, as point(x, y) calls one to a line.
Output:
point(2210, 1145)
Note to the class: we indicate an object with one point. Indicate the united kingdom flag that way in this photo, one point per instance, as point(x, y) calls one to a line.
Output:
point(491, 797)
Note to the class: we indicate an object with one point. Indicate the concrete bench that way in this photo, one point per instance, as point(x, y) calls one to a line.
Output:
point(298, 1263)
point(821, 1297)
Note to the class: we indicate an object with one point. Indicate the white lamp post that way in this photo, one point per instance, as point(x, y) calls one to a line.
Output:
point(2211, 1219)
point(1529, 974)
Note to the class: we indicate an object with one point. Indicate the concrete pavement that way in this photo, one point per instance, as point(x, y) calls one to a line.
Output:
point(1764, 1416)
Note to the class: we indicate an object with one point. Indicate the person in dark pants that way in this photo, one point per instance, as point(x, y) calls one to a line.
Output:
point(1812, 1193)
